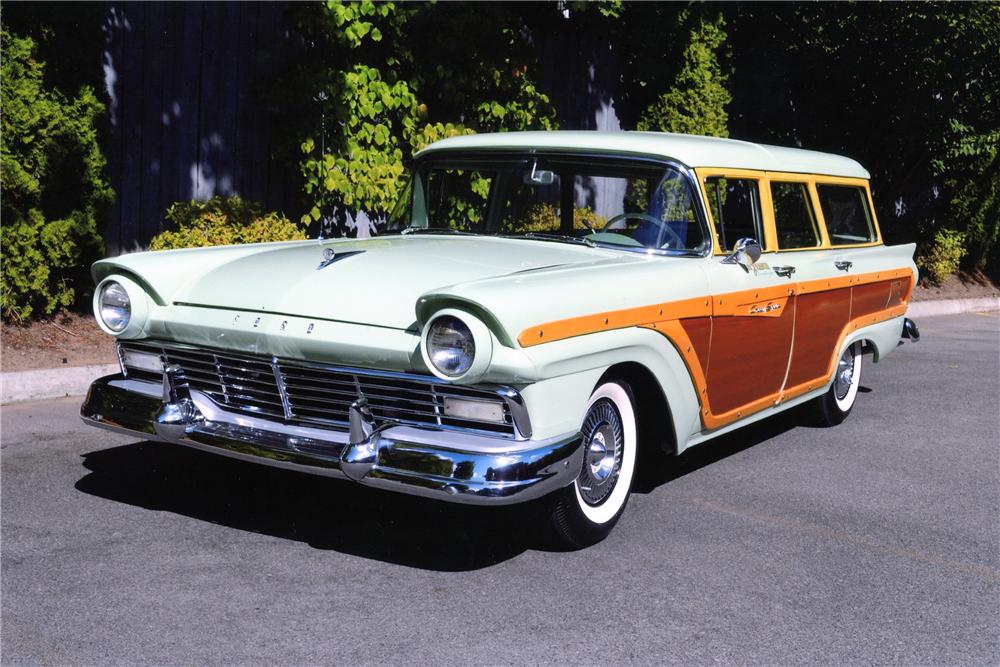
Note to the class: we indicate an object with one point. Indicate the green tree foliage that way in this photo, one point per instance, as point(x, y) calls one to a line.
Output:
point(223, 221)
point(53, 186)
point(696, 100)
point(908, 89)
point(373, 89)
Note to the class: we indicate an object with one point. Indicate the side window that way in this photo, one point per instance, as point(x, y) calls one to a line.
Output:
point(735, 206)
point(845, 209)
point(794, 220)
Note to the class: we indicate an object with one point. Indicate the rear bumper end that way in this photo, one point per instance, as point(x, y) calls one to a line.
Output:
point(447, 465)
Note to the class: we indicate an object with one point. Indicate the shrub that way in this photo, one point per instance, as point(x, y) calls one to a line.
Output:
point(697, 99)
point(941, 259)
point(223, 221)
point(545, 218)
point(53, 186)
point(44, 261)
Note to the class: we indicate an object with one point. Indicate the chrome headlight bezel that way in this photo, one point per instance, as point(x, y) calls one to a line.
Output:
point(114, 306)
point(135, 301)
point(477, 345)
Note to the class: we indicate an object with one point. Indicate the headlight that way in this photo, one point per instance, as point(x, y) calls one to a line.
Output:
point(115, 306)
point(451, 346)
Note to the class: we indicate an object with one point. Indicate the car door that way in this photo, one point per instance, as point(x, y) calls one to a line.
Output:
point(753, 310)
point(823, 301)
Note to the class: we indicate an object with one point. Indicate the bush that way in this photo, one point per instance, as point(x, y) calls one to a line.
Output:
point(42, 262)
point(697, 99)
point(223, 221)
point(545, 218)
point(941, 259)
point(53, 186)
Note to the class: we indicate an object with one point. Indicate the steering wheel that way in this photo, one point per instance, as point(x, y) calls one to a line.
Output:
point(676, 240)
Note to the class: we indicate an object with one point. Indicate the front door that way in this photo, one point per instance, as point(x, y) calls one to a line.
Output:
point(753, 320)
point(753, 311)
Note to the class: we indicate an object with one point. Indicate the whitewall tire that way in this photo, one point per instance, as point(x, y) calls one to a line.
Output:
point(833, 407)
point(585, 512)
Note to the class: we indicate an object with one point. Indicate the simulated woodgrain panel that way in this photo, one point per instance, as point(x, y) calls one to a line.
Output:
point(820, 319)
point(898, 291)
point(699, 330)
point(868, 299)
point(748, 358)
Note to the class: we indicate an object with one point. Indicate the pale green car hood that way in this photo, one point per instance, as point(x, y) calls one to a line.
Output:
point(380, 285)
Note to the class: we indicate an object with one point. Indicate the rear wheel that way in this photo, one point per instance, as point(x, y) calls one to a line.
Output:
point(833, 407)
point(585, 512)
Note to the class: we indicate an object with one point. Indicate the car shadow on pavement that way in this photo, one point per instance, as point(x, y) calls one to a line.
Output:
point(657, 468)
point(349, 518)
point(322, 512)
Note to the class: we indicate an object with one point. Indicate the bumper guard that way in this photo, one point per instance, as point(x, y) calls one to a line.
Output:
point(423, 461)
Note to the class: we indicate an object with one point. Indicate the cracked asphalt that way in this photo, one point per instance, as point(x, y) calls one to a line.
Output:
point(877, 541)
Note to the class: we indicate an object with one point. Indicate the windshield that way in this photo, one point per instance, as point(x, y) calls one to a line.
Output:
point(630, 204)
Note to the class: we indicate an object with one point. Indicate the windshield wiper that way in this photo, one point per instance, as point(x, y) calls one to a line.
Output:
point(435, 230)
point(563, 238)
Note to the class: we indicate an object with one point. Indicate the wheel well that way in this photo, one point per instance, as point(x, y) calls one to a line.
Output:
point(868, 346)
point(656, 424)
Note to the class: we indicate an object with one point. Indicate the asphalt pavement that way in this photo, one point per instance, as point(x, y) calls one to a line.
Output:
point(877, 541)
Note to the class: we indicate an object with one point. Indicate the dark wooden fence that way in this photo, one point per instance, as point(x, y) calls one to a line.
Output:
point(184, 121)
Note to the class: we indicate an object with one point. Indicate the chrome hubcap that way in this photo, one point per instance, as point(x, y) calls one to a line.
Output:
point(602, 462)
point(845, 374)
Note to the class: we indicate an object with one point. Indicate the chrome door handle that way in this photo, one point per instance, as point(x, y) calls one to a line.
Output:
point(784, 271)
point(843, 266)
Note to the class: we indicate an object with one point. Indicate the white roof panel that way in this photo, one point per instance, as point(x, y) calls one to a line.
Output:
point(690, 150)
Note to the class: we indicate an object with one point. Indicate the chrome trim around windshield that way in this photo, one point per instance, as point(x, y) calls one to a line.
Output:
point(701, 210)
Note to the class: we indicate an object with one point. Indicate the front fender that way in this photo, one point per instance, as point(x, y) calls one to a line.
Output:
point(568, 370)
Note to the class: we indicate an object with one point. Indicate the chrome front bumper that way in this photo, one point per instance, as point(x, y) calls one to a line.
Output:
point(447, 465)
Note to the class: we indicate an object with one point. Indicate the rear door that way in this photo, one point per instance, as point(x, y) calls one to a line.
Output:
point(823, 301)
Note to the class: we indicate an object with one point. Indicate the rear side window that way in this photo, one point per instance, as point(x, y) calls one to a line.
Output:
point(845, 210)
point(794, 219)
point(735, 206)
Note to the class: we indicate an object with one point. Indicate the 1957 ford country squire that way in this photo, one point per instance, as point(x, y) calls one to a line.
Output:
point(539, 305)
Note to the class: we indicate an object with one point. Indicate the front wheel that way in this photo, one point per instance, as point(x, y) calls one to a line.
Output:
point(833, 407)
point(584, 513)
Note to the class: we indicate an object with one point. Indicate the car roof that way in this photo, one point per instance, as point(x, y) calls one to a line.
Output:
point(688, 149)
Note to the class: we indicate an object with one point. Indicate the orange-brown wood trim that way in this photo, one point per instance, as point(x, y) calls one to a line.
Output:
point(710, 420)
point(741, 303)
point(731, 303)
point(665, 319)
point(847, 280)
point(852, 326)
point(616, 319)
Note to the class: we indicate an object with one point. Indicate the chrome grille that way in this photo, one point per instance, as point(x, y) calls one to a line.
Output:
point(311, 393)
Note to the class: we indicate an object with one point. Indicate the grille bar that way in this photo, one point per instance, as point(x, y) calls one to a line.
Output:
point(295, 391)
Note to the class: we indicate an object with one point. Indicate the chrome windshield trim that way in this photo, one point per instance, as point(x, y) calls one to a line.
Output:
point(701, 210)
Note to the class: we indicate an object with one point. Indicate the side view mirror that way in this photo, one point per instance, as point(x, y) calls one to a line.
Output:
point(746, 252)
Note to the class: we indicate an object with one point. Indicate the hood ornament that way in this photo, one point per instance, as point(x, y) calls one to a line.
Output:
point(330, 256)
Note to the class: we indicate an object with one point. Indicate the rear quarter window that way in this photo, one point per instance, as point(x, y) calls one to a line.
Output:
point(845, 210)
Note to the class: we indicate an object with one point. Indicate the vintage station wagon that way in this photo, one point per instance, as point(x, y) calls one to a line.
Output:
point(538, 307)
